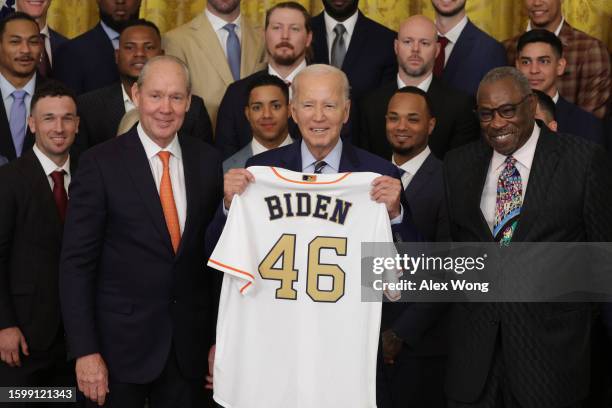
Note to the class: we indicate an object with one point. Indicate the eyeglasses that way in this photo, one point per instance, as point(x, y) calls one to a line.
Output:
point(506, 111)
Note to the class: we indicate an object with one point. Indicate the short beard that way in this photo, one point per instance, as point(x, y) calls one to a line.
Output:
point(451, 13)
point(129, 79)
point(341, 15)
point(286, 60)
point(415, 72)
point(118, 26)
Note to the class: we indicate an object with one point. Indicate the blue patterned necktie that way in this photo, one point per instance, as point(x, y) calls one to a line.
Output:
point(17, 120)
point(318, 167)
point(233, 50)
point(508, 203)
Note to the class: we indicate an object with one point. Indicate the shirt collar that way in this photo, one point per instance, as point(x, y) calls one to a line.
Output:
point(110, 33)
point(413, 165)
point(557, 31)
point(257, 147)
point(349, 23)
point(556, 97)
point(293, 73)
point(151, 148)
point(7, 88)
point(454, 33)
point(126, 97)
point(423, 86)
point(48, 165)
point(524, 155)
point(332, 159)
point(45, 30)
point(218, 23)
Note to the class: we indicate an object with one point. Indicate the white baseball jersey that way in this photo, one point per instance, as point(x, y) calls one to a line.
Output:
point(292, 328)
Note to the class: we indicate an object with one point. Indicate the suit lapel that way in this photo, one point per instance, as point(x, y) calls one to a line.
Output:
point(190, 166)
point(211, 47)
point(319, 42)
point(116, 107)
point(356, 45)
point(139, 169)
point(478, 174)
point(249, 60)
point(543, 168)
point(292, 159)
point(348, 159)
point(460, 53)
point(420, 179)
point(7, 148)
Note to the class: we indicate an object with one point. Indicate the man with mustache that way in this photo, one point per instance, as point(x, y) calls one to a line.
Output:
point(466, 52)
point(540, 59)
point(87, 62)
point(20, 50)
point(586, 80)
point(101, 110)
point(523, 183)
point(288, 36)
point(416, 49)
point(361, 47)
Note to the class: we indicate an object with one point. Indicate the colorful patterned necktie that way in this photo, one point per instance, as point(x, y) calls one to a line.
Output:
point(166, 195)
point(508, 203)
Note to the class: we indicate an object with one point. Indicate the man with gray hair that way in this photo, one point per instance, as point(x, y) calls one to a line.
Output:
point(139, 311)
point(523, 354)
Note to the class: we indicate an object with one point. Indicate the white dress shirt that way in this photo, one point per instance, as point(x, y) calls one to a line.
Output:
point(412, 166)
point(127, 102)
point(218, 23)
point(45, 31)
point(49, 167)
point(556, 97)
point(524, 159)
point(7, 89)
point(423, 86)
point(257, 147)
point(557, 31)
point(330, 24)
point(453, 36)
point(177, 173)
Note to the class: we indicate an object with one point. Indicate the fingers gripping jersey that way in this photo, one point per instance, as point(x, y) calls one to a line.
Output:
point(292, 330)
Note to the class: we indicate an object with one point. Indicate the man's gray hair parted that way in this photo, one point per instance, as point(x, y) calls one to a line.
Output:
point(170, 58)
point(321, 70)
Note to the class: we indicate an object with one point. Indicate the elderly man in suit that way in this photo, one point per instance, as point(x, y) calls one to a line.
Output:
point(87, 62)
point(416, 48)
point(52, 39)
point(586, 80)
point(101, 110)
point(20, 50)
point(33, 199)
point(220, 47)
point(523, 184)
point(138, 304)
point(361, 47)
point(267, 111)
point(414, 334)
point(466, 52)
point(287, 38)
point(540, 58)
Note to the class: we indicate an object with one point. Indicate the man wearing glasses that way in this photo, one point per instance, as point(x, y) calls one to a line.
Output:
point(523, 183)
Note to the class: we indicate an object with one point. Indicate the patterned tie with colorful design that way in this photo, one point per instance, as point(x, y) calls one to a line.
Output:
point(508, 203)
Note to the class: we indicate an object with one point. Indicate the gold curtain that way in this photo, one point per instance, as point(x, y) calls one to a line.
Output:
point(501, 18)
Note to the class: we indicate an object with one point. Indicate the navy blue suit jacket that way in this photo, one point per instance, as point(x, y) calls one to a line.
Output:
point(474, 54)
point(574, 120)
point(86, 62)
point(124, 292)
point(233, 130)
point(370, 59)
point(352, 159)
point(56, 39)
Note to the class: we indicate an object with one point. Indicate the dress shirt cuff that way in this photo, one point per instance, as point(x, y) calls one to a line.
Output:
point(398, 220)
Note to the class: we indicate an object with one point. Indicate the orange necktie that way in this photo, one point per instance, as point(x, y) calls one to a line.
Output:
point(167, 201)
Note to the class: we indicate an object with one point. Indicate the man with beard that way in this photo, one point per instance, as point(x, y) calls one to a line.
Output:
point(586, 80)
point(87, 62)
point(20, 50)
point(220, 47)
point(287, 39)
point(101, 110)
point(416, 49)
point(348, 40)
point(466, 52)
point(52, 39)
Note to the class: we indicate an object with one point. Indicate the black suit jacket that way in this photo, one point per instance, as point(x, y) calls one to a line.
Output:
point(545, 346)
point(233, 130)
point(456, 122)
point(7, 148)
point(30, 244)
point(474, 54)
point(124, 292)
point(57, 40)
point(574, 120)
point(86, 62)
point(101, 112)
point(370, 59)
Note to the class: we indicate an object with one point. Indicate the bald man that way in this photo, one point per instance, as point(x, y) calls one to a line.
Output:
point(416, 49)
